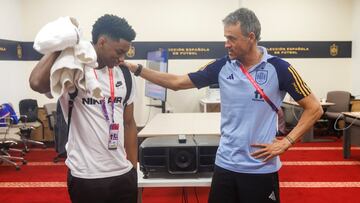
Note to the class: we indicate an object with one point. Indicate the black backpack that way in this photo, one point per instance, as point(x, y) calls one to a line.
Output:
point(62, 129)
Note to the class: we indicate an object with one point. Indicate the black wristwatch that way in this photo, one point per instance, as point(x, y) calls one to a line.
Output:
point(138, 70)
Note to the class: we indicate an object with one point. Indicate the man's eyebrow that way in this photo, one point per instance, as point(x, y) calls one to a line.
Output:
point(120, 50)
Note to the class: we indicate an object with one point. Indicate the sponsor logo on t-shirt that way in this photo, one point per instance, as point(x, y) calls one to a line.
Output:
point(92, 101)
point(257, 96)
point(230, 77)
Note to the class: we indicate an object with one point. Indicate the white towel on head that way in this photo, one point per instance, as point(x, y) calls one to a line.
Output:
point(74, 66)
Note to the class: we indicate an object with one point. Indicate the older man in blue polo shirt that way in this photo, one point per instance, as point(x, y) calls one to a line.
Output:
point(252, 87)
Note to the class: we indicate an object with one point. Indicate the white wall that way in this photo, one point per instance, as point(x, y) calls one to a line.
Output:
point(11, 71)
point(189, 20)
point(310, 20)
point(355, 72)
point(14, 74)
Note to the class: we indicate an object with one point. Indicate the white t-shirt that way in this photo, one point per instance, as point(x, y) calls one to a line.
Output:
point(88, 155)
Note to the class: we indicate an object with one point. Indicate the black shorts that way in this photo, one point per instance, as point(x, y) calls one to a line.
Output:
point(121, 188)
point(231, 187)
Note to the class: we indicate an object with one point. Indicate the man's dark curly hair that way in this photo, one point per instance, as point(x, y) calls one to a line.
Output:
point(114, 27)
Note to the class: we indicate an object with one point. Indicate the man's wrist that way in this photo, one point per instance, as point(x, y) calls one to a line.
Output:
point(138, 70)
point(290, 140)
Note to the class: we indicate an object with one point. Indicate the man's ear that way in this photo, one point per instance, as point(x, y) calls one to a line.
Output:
point(252, 36)
point(101, 41)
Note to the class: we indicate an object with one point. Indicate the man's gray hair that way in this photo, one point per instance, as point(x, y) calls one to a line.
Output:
point(247, 19)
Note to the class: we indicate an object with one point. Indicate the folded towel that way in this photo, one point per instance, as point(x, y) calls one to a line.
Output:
point(68, 73)
point(63, 73)
point(73, 68)
point(85, 53)
point(57, 35)
point(92, 84)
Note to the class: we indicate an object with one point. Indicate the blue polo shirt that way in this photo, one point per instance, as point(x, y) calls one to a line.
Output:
point(245, 117)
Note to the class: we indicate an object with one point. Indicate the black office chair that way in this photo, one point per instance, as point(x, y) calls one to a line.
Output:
point(29, 114)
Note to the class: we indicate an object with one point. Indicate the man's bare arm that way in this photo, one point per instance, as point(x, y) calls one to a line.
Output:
point(130, 135)
point(312, 112)
point(40, 76)
point(171, 81)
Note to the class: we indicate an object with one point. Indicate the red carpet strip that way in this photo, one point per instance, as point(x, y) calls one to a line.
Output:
point(311, 172)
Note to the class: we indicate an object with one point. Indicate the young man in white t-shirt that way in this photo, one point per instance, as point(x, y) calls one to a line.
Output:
point(101, 162)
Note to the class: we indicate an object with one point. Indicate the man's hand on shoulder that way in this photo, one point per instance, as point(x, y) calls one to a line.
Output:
point(131, 66)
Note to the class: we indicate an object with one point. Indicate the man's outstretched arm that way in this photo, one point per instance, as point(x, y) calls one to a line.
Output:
point(171, 81)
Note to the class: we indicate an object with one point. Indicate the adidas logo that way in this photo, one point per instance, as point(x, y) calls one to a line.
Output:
point(230, 77)
point(272, 196)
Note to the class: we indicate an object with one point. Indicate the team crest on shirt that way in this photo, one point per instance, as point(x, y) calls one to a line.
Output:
point(261, 76)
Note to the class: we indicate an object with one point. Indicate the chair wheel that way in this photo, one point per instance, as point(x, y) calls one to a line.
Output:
point(44, 147)
point(24, 162)
point(17, 168)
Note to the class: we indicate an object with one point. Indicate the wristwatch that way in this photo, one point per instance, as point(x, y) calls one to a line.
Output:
point(138, 70)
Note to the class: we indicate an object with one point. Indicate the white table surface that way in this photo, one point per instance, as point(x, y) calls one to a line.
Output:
point(35, 124)
point(168, 180)
point(352, 114)
point(9, 133)
point(205, 102)
point(182, 123)
point(323, 104)
point(208, 101)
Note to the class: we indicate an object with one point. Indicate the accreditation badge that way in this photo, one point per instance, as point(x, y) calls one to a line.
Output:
point(114, 136)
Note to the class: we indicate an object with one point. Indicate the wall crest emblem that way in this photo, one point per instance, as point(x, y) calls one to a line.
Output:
point(131, 52)
point(334, 50)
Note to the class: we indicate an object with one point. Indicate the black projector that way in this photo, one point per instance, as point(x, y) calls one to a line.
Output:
point(171, 155)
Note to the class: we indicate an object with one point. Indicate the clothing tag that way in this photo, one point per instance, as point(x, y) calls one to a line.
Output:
point(114, 136)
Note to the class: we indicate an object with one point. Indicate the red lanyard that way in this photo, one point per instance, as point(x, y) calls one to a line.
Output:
point(112, 95)
point(112, 92)
point(258, 89)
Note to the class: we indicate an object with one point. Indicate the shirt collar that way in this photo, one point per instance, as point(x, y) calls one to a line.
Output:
point(264, 58)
